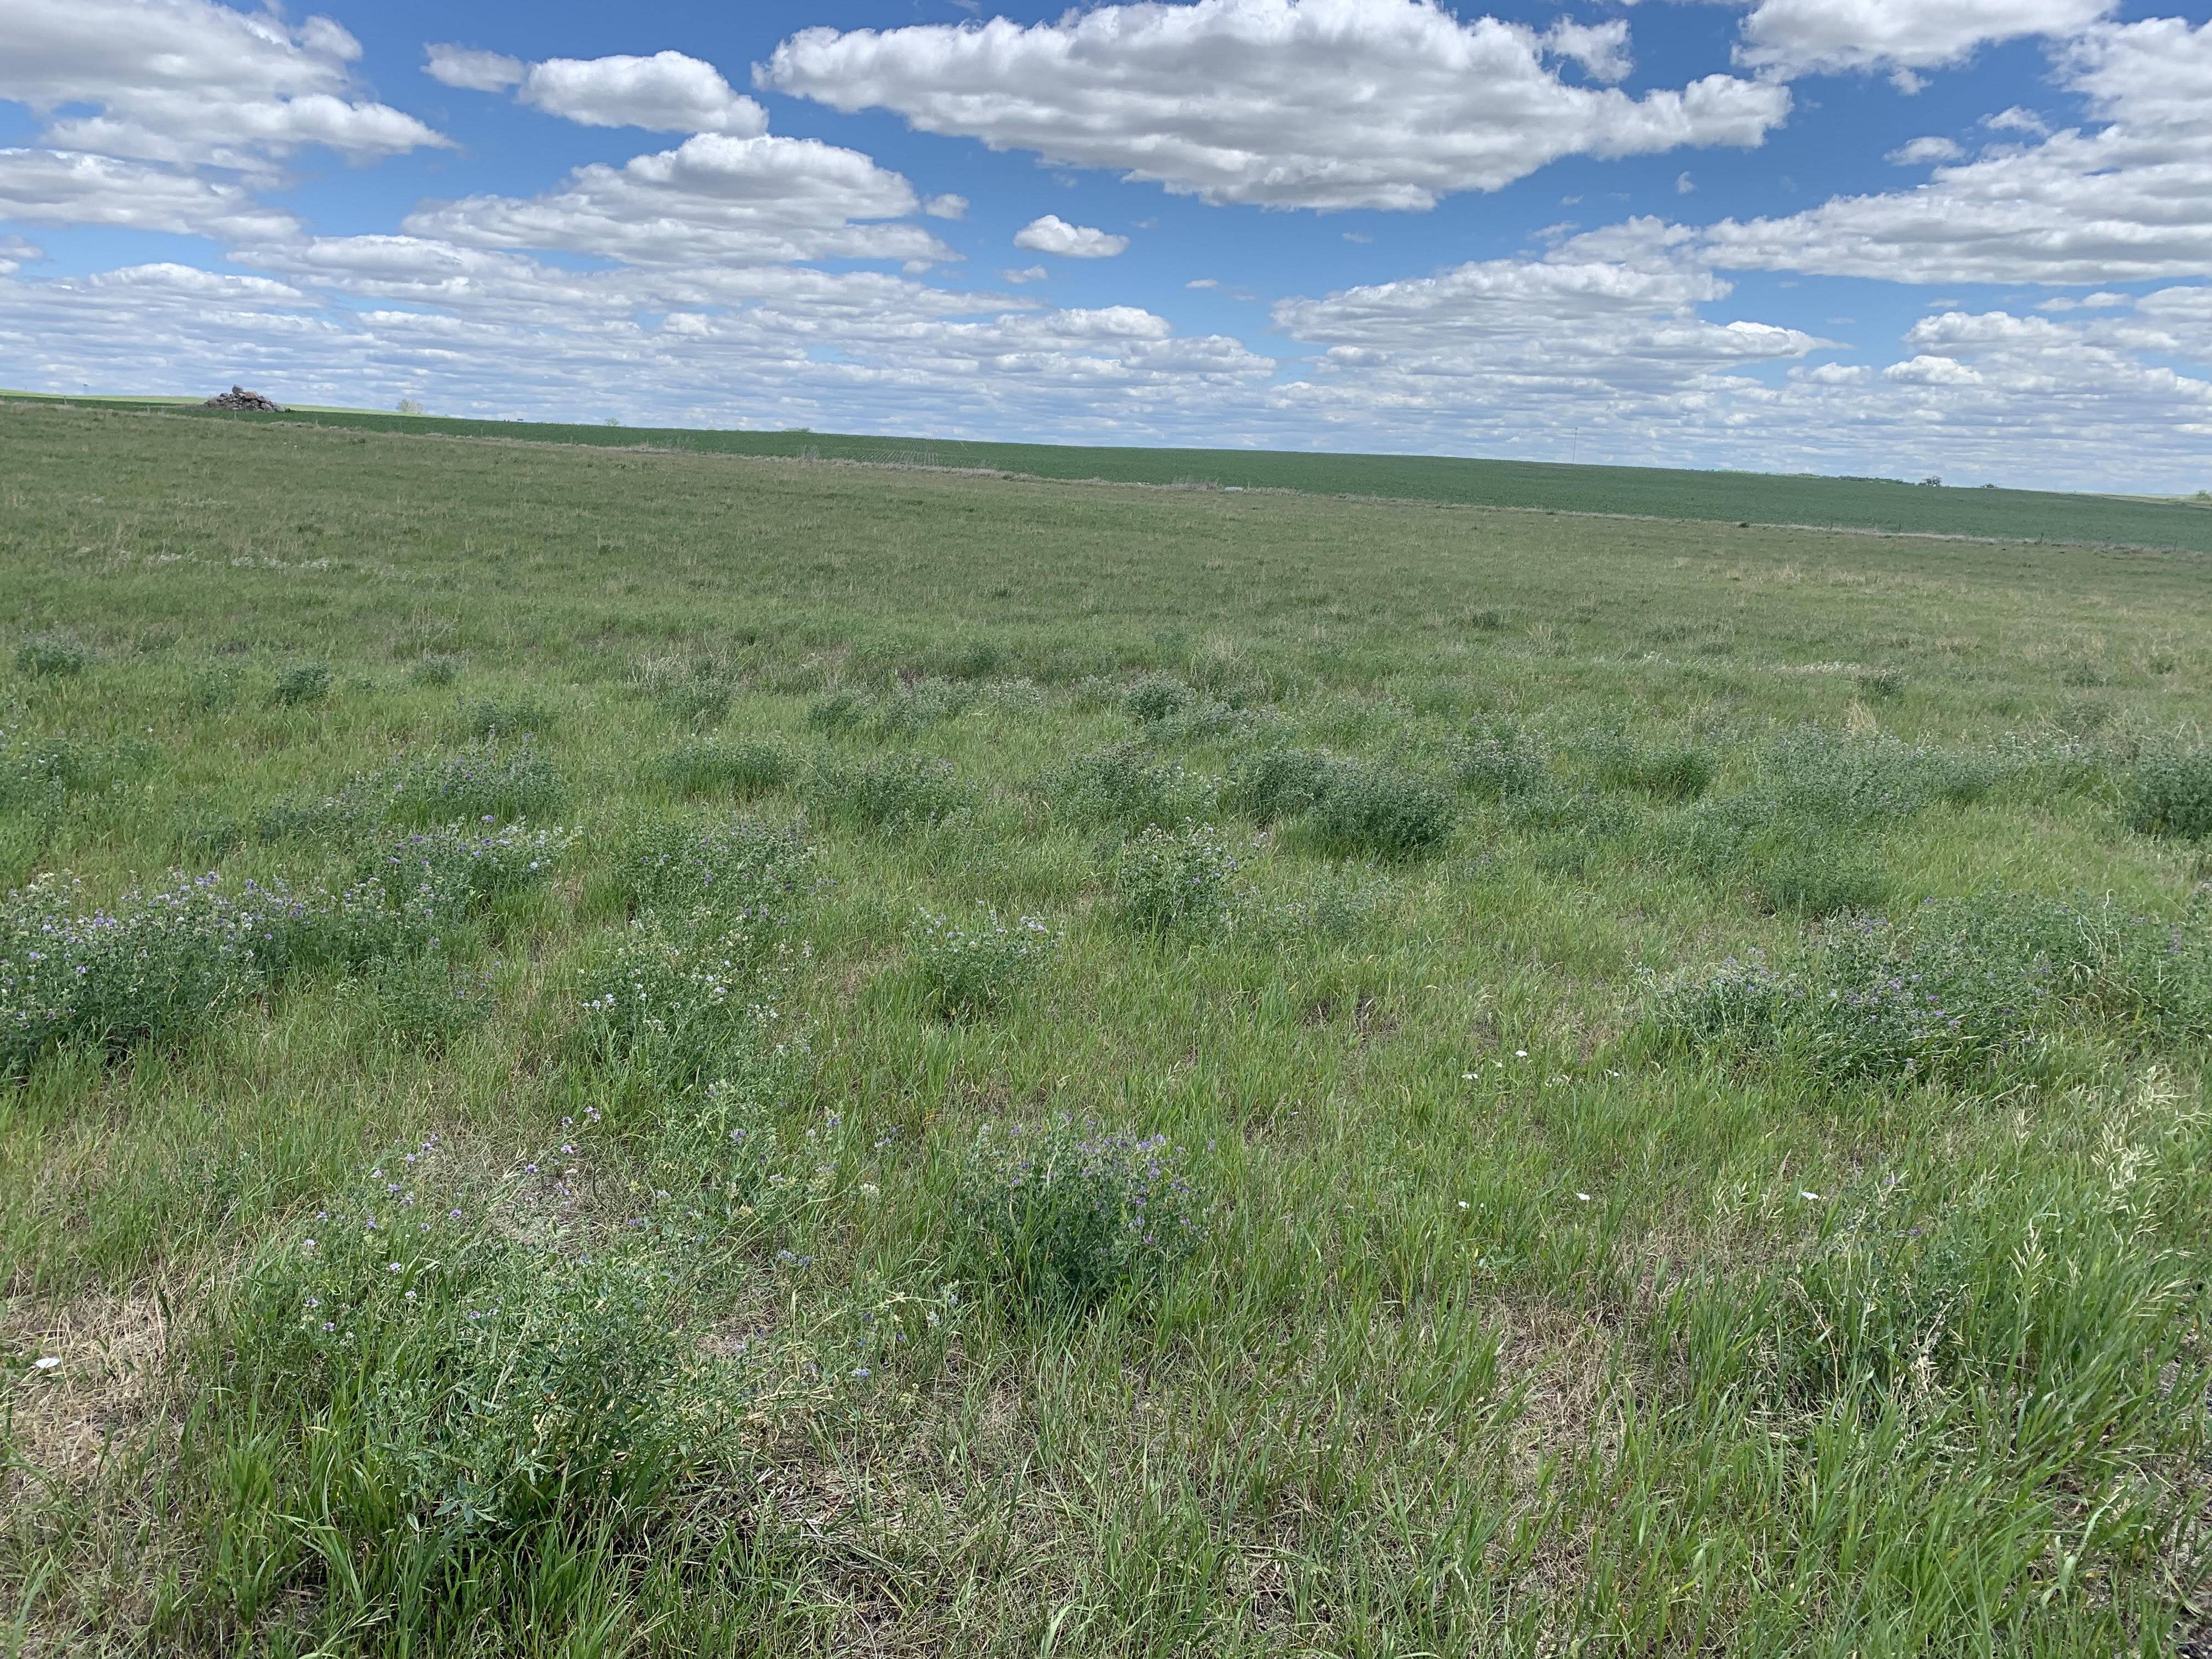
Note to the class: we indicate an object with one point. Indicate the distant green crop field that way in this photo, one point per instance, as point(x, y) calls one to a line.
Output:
point(1716, 497)
point(654, 1051)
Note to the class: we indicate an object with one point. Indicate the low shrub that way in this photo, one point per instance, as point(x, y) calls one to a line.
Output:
point(971, 965)
point(1496, 768)
point(303, 683)
point(1371, 810)
point(676, 1007)
point(48, 768)
point(466, 866)
point(421, 998)
point(1155, 697)
point(1066, 1216)
point(2170, 794)
point(436, 670)
point(1675, 774)
point(1164, 880)
point(489, 718)
point(845, 710)
point(1281, 783)
point(1956, 989)
point(51, 654)
point(490, 780)
point(1123, 785)
point(915, 706)
point(898, 792)
point(734, 867)
point(704, 767)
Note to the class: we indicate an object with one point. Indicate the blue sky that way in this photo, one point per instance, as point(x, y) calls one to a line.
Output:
point(1970, 238)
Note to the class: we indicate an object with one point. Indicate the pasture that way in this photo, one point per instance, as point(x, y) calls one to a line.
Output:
point(619, 1051)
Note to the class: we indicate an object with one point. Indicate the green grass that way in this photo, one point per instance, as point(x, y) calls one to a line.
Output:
point(1033, 1067)
point(1891, 505)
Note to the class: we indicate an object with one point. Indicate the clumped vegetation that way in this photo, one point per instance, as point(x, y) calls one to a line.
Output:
point(983, 1067)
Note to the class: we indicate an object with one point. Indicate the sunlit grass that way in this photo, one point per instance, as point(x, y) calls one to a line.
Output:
point(1432, 1248)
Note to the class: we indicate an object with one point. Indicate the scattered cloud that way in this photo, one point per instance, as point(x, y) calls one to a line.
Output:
point(1281, 103)
point(946, 207)
point(1054, 234)
point(1920, 152)
point(55, 187)
point(1027, 274)
point(472, 70)
point(667, 92)
point(185, 84)
point(712, 198)
point(2120, 201)
point(1804, 37)
point(1203, 281)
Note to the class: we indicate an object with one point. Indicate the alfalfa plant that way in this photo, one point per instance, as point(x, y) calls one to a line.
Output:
point(708, 766)
point(51, 654)
point(972, 965)
point(1155, 697)
point(1065, 1215)
point(1174, 880)
point(1375, 811)
point(892, 792)
point(1499, 767)
point(1669, 773)
point(1124, 785)
point(736, 867)
point(490, 779)
point(302, 683)
point(2170, 794)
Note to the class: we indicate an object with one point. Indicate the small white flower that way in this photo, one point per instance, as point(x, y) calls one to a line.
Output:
point(1467, 1076)
point(45, 1362)
point(1810, 1197)
point(1462, 1204)
point(1584, 1197)
point(1520, 1053)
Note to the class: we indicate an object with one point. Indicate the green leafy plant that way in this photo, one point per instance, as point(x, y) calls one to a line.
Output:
point(1066, 1215)
point(972, 965)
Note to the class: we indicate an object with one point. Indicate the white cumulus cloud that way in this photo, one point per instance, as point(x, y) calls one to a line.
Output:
point(1282, 103)
point(54, 187)
point(470, 70)
point(712, 198)
point(1054, 234)
point(2124, 201)
point(186, 82)
point(667, 92)
point(1798, 37)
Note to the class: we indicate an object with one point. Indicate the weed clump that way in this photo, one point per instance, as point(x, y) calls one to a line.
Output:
point(1369, 810)
point(1496, 768)
point(1955, 991)
point(1155, 697)
point(490, 780)
point(844, 710)
point(704, 767)
point(1171, 880)
point(971, 966)
point(1281, 783)
point(436, 670)
point(1123, 785)
point(1066, 1216)
point(303, 683)
point(488, 719)
point(913, 708)
point(893, 792)
point(422, 999)
point(1675, 774)
point(51, 654)
point(736, 868)
point(2170, 794)
point(676, 1007)
point(466, 866)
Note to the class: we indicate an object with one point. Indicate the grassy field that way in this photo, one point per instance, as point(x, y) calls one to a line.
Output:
point(1734, 498)
point(622, 1052)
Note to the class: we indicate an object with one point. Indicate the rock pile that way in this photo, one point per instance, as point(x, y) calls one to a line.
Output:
point(239, 397)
